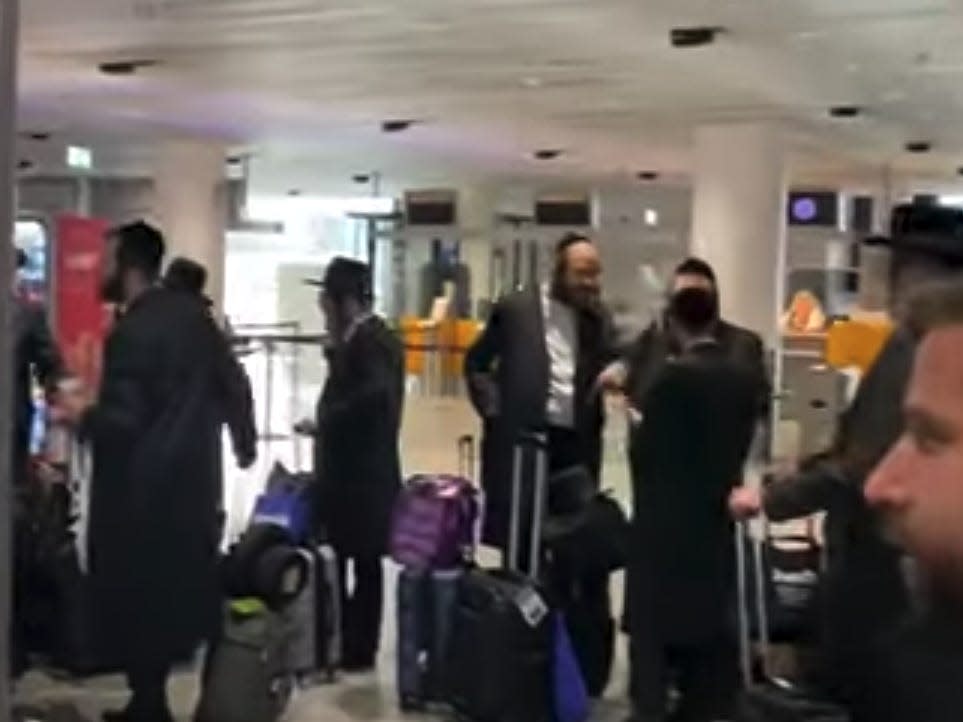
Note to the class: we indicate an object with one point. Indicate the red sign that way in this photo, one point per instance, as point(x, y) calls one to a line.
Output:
point(81, 317)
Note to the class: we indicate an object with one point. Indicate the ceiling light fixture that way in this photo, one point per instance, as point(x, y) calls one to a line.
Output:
point(361, 178)
point(38, 136)
point(126, 67)
point(845, 111)
point(694, 37)
point(547, 153)
point(396, 125)
point(647, 175)
point(532, 81)
point(294, 193)
point(919, 146)
point(24, 164)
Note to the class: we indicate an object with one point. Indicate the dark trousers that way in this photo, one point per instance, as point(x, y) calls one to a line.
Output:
point(704, 674)
point(147, 679)
point(362, 601)
point(565, 449)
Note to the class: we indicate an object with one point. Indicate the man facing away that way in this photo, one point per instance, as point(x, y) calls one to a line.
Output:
point(696, 419)
point(536, 367)
point(918, 491)
point(155, 430)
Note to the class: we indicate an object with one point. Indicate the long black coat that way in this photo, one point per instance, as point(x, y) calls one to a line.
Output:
point(507, 372)
point(686, 456)
point(156, 433)
point(35, 357)
point(356, 453)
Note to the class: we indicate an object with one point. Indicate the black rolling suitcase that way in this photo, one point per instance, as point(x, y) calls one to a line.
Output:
point(502, 633)
point(768, 700)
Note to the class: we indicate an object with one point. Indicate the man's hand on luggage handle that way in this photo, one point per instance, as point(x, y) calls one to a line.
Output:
point(745, 502)
point(612, 379)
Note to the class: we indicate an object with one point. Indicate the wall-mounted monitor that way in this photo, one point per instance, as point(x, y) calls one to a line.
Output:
point(563, 209)
point(819, 209)
point(431, 208)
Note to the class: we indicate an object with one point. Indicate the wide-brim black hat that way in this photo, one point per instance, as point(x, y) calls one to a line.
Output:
point(345, 277)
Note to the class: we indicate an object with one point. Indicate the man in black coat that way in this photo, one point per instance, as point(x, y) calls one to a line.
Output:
point(155, 429)
point(918, 491)
point(864, 590)
point(660, 342)
point(536, 367)
point(186, 276)
point(358, 468)
point(36, 357)
point(696, 419)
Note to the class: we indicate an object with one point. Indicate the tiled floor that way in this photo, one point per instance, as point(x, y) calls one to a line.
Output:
point(431, 429)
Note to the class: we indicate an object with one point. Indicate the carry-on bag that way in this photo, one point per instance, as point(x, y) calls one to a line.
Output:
point(287, 502)
point(768, 700)
point(314, 618)
point(246, 679)
point(428, 583)
point(500, 660)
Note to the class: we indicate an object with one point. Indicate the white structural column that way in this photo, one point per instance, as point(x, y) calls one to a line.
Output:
point(9, 47)
point(476, 222)
point(738, 220)
point(190, 206)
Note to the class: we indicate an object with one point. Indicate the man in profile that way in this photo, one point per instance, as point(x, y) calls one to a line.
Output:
point(918, 491)
point(155, 430)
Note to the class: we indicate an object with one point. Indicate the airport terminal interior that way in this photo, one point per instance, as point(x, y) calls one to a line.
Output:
point(449, 144)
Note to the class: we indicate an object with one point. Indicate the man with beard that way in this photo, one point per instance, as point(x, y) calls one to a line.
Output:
point(155, 430)
point(697, 416)
point(864, 592)
point(918, 490)
point(536, 366)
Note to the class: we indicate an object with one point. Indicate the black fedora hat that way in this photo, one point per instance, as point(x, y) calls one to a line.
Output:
point(345, 278)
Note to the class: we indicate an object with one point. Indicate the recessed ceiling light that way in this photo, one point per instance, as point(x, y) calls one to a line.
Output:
point(294, 193)
point(361, 178)
point(845, 111)
point(532, 81)
point(125, 67)
point(547, 153)
point(919, 146)
point(24, 164)
point(647, 175)
point(693, 37)
point(39, 136)
point(396, 125)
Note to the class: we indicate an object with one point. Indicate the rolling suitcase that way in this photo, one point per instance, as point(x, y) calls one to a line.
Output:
point(246, 679)
point(770, 700)
point(314, 618)
point(500, 658)
point(427, 591)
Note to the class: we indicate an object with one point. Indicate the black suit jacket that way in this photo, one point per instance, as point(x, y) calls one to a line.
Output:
point(507, 371)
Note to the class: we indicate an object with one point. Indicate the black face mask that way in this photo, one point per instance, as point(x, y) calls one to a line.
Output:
point(694, 308)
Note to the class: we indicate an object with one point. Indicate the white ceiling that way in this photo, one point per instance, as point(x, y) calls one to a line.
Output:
point(306, 82)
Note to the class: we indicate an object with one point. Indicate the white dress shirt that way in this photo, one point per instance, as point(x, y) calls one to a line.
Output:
point(561, 342)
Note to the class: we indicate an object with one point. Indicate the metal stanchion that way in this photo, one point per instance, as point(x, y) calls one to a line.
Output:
point(9, 47)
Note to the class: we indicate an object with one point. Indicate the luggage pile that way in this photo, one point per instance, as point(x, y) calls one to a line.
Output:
point(281, 622)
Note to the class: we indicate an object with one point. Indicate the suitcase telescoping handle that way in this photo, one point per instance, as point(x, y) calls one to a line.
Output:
point(538, 442)
point(743, 537)
point(466, 457)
